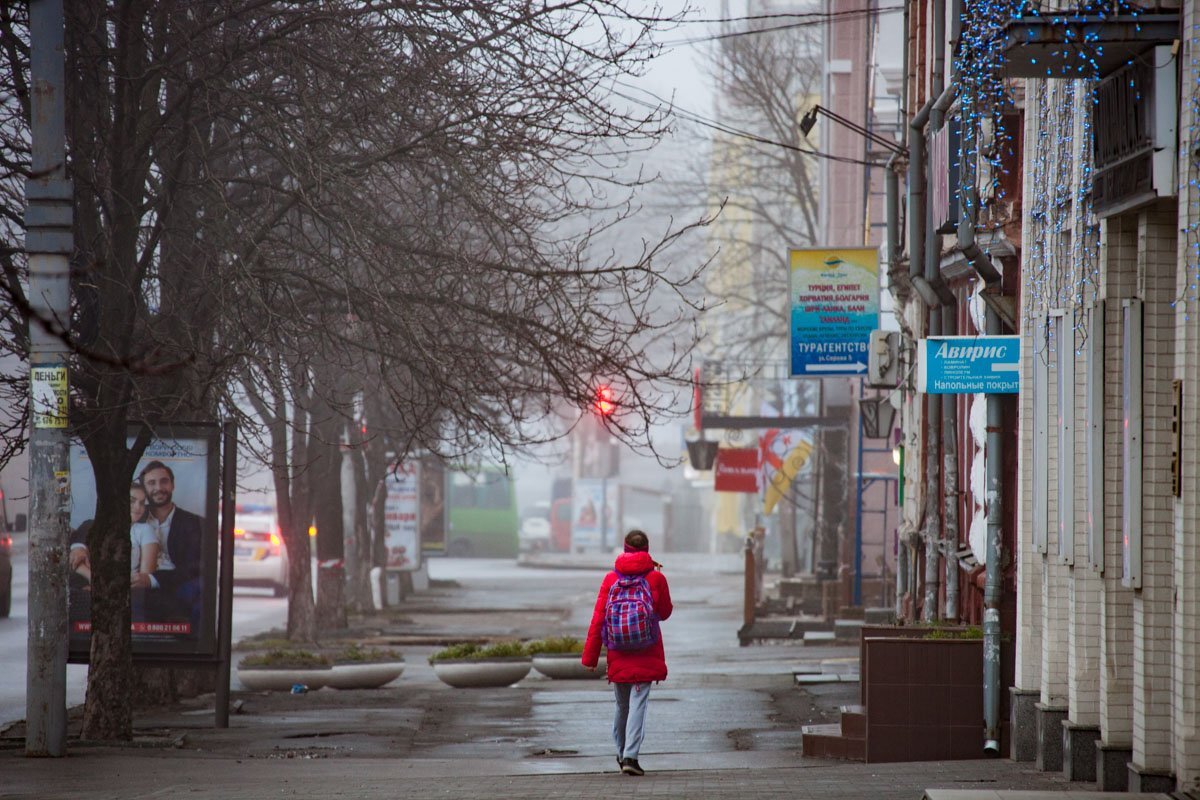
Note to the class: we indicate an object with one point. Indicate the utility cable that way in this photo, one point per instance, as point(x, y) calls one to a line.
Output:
point(731, 131)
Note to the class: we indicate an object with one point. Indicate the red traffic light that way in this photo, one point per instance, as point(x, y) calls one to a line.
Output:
point(605, 403)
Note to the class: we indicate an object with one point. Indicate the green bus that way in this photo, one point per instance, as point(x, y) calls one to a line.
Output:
point(482, 519)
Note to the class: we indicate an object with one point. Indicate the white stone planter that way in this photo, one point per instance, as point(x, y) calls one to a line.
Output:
point(364, 675)
point(567, 666)
point(282, 679)
point(480, 673)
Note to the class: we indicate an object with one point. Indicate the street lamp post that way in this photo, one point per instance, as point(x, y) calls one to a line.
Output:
point(810, 119)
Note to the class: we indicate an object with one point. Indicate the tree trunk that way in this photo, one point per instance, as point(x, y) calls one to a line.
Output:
point(327, 505)
point(291, 501)
point(108, 712)
point(358, 581)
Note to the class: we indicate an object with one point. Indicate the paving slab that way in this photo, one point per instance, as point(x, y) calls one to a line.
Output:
point(725, 724)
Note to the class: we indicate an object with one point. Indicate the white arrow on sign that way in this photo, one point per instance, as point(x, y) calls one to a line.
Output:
point(857, 366)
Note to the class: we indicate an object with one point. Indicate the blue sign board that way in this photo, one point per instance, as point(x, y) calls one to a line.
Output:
point(969, 364)
point(834, 306)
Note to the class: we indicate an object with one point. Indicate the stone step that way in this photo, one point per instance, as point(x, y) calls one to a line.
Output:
point(847, 630)
point(803, 679)
point(826, 741)
point(812, 638)
point(879, 616)
point(854, 722)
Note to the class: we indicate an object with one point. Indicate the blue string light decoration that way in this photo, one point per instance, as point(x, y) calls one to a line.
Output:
point(1061, 266)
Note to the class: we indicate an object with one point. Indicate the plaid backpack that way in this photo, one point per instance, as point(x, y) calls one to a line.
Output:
point(629, 619)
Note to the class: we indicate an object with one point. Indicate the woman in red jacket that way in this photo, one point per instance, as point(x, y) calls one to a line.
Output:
point(631, 671)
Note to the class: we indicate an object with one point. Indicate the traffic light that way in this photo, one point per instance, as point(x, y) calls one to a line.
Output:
point(605, 403)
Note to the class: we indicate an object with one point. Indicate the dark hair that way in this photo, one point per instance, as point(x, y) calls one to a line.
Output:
point(637, 540)
point(153, 465)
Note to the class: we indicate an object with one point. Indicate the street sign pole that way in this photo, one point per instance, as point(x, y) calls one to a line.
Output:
point(48, 244)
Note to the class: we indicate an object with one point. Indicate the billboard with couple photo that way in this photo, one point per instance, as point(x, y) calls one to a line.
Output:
point(173, 501)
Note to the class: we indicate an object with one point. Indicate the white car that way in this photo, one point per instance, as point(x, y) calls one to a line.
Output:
point(259, 557)
point(534, 534)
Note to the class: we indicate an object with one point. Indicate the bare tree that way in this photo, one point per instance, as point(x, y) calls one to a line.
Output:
point(755, 162)
point(268, 191)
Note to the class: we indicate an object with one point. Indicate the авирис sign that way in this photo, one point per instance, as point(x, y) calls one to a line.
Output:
point(969, 364)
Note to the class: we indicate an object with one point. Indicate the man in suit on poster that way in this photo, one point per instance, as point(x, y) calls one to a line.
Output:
point(180, 573)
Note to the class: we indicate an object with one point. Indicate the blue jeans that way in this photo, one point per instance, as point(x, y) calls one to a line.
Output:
point(630, 722)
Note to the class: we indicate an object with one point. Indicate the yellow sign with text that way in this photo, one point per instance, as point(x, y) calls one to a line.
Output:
point(48, 391)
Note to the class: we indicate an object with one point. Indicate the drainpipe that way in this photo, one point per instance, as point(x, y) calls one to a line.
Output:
point(902, 546)
point(891, 185)
point(932, 488)
point(950, 516)
point(986, 270)
point(916, 193)
point(991, 592)
point(917, 214)
point(932, 292)
point(950, 478)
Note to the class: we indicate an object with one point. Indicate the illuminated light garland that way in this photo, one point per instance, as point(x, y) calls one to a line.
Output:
point(1062, 267)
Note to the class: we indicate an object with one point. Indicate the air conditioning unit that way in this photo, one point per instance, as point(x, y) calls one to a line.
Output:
point(1135, 118)
point(883, 359)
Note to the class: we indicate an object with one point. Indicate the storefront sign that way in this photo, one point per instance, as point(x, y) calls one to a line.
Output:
point(737, 469)
point(969, 364)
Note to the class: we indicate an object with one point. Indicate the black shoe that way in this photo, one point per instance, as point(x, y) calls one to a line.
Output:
point(630, 766)
point(620, 764)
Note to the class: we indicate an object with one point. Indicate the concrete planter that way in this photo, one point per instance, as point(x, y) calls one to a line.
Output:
point(364, 675)
point(282, 679)
point(567, 666)
point(482, 673)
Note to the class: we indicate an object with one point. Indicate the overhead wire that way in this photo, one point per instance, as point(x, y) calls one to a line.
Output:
point(812, 20)
point(727, 129)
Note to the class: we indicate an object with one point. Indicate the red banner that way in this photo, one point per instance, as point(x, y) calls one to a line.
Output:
point(737, 470)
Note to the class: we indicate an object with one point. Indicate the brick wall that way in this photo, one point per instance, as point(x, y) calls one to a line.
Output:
point(1029, 577)
point(1186, 651)
point(1083, 588)
point(1153, 622)
point(1119, 281)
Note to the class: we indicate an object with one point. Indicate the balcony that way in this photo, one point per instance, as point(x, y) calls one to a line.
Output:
point(1075, 43)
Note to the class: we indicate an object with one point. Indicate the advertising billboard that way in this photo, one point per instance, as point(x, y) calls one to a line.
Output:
point(401, 517)
point(433, 506)
point(173, 497)
point(593, 514)
point(834, 306)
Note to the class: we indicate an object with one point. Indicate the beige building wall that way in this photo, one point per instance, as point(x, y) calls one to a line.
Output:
point(1186, 557)
point(1029, 565)
point(1153, 622)
point(1119, 280)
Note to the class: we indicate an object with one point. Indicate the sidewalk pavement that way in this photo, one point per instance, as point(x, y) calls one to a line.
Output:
point(726, 723)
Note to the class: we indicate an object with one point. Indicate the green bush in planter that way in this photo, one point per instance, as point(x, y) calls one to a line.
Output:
point(470, 651)
point(286, 659)
point(504, 650)
point(970, 632)
point(356, 654)
point(555, 645)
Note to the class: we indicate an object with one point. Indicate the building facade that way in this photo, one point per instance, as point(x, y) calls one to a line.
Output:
point(1077, 169)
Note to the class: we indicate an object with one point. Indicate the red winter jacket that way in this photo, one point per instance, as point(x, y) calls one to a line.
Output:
point(631, 666)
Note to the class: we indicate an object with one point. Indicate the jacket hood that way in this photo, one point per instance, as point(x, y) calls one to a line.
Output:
point(634, 563)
